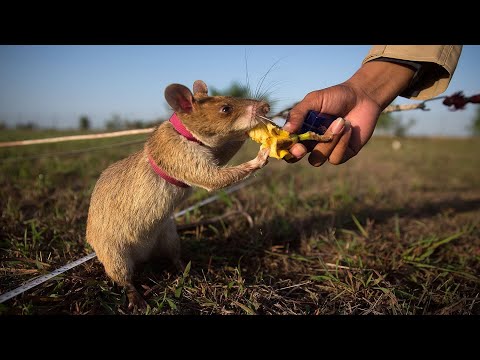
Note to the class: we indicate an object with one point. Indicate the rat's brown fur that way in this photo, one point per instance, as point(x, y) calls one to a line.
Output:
point(130, 215)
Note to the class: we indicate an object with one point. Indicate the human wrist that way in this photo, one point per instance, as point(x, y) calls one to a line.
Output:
point(382, 81)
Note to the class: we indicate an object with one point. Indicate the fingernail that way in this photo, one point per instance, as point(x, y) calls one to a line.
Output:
point(287, 127)
point(338, 126)
point(298, 151)
point(316, 158)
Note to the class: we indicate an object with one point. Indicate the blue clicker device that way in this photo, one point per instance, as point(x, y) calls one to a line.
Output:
point(317, 122)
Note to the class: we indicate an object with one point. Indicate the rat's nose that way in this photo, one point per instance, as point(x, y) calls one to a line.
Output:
point(263, 109)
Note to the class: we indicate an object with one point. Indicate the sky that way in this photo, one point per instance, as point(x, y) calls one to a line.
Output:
point(53, 86)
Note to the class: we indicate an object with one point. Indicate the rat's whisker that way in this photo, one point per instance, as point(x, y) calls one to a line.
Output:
point(262, 79)
point(264, 117)
point(249, 90)
point(265, 120)
point(261, 120)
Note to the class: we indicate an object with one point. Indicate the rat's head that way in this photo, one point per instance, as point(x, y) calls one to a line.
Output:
point(214, 120)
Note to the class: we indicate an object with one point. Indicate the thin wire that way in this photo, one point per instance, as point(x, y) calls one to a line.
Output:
point(44, 278)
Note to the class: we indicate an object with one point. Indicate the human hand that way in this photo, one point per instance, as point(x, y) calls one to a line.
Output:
point(359, 101)
point(350, 134)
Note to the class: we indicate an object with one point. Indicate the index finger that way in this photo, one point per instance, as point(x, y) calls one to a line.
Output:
point(296, 117)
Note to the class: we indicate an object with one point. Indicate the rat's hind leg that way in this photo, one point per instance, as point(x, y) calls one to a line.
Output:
point(135, 300)
point(120, 270)
point(168, 244)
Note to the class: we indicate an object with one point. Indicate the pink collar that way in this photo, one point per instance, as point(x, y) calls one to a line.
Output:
point(182, 130)
point(164, 175)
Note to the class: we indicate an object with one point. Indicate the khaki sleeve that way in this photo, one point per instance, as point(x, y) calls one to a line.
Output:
point(438, 65)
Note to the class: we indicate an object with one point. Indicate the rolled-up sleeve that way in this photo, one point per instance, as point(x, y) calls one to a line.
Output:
point(438, 65)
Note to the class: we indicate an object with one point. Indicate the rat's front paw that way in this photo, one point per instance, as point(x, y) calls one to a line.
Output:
point(262, 158)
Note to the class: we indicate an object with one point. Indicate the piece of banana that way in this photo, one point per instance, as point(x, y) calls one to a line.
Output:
point(279, 140)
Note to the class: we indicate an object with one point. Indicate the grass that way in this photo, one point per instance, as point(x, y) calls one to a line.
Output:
point(389, 232)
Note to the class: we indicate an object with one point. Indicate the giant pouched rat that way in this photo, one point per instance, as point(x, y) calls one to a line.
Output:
point(130, 215)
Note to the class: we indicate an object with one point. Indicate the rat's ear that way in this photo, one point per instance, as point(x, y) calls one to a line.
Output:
point(200, 88)
point(179, 97)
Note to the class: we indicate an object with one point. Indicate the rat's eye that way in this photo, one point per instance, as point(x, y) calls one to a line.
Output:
point(226, 109)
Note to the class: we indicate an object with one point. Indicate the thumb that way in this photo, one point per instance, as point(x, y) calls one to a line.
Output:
point(296, 117)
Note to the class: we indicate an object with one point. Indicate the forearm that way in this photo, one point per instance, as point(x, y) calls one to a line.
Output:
point(382, 81)
point(438, 64)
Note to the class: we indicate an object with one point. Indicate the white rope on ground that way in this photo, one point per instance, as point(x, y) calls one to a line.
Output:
point(72, 152)
point(76, 137)
point(41, 279)
point(215, 197)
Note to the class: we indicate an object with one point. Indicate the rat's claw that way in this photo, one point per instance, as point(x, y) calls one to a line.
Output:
point(135, 300)
point(262, 157)
point(264, 153)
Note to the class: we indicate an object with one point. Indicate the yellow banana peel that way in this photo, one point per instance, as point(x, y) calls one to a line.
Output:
point(280, 141)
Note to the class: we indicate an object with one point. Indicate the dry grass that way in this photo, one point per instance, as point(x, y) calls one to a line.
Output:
point(390, 232)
